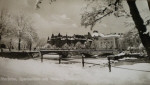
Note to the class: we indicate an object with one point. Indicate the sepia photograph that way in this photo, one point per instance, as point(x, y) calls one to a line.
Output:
point(74, 42)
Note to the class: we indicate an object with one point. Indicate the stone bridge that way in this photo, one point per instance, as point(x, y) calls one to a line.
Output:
point(64, 52)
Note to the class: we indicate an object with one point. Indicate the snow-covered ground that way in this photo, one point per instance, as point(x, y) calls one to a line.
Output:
point(33, 72)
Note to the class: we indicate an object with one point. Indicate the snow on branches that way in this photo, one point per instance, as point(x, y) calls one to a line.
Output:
point(39, 2)
point(96, 10)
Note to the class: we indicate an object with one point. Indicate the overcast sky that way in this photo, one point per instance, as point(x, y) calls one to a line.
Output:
point(64, 16)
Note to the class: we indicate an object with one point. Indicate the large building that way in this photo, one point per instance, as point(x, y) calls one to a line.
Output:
point(60, 40)
point(96, 40)
point(103, 42)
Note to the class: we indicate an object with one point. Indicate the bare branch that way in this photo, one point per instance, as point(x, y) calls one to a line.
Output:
point(89, 18)
point(39, 2)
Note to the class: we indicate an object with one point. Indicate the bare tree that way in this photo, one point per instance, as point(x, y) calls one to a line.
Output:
point(2, 25)
point(79, 45)
point(39, 2)
point(115, 7)
point(5, 28)
point(25, 30)
point(41, 42)
point(148, 4)
point(139, 23)
point(65, 46)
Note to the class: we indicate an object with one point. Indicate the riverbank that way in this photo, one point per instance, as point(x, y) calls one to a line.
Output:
point(19, 54)
point(33, 72)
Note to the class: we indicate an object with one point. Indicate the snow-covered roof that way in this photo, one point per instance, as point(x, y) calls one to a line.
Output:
point(112, 36)
point(102, 35)
point(97, 34)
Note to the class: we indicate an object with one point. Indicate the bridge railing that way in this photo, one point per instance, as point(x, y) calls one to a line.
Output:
point(112, 50)
point(77, 50)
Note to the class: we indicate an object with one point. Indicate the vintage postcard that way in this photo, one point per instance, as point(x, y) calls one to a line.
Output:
point(74, 42)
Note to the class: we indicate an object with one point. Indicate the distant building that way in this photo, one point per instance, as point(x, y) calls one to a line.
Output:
point(96, 34)
point(95, 41)
point(60, 40)
point(102, 42)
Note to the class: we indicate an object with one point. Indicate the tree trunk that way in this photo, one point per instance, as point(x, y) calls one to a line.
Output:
point(10, 46)
point(19, 44)
point(30, 47)
point(148, 1)
point(139, 23)
point(0, 44)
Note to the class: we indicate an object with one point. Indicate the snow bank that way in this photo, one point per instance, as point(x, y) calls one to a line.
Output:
point(75, 72)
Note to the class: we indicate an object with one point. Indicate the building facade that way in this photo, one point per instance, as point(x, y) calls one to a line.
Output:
point(95, 41)
point(60, 40)
point(106, 42)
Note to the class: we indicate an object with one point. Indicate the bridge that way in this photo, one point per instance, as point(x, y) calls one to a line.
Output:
point(64, 52)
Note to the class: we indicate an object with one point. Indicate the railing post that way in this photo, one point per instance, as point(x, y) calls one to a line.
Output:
point(109, 64)
point(41, 56)
point(82, 60)
point(60, 59)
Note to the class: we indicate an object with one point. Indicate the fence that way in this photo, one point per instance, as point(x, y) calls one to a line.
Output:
point(83, 61)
